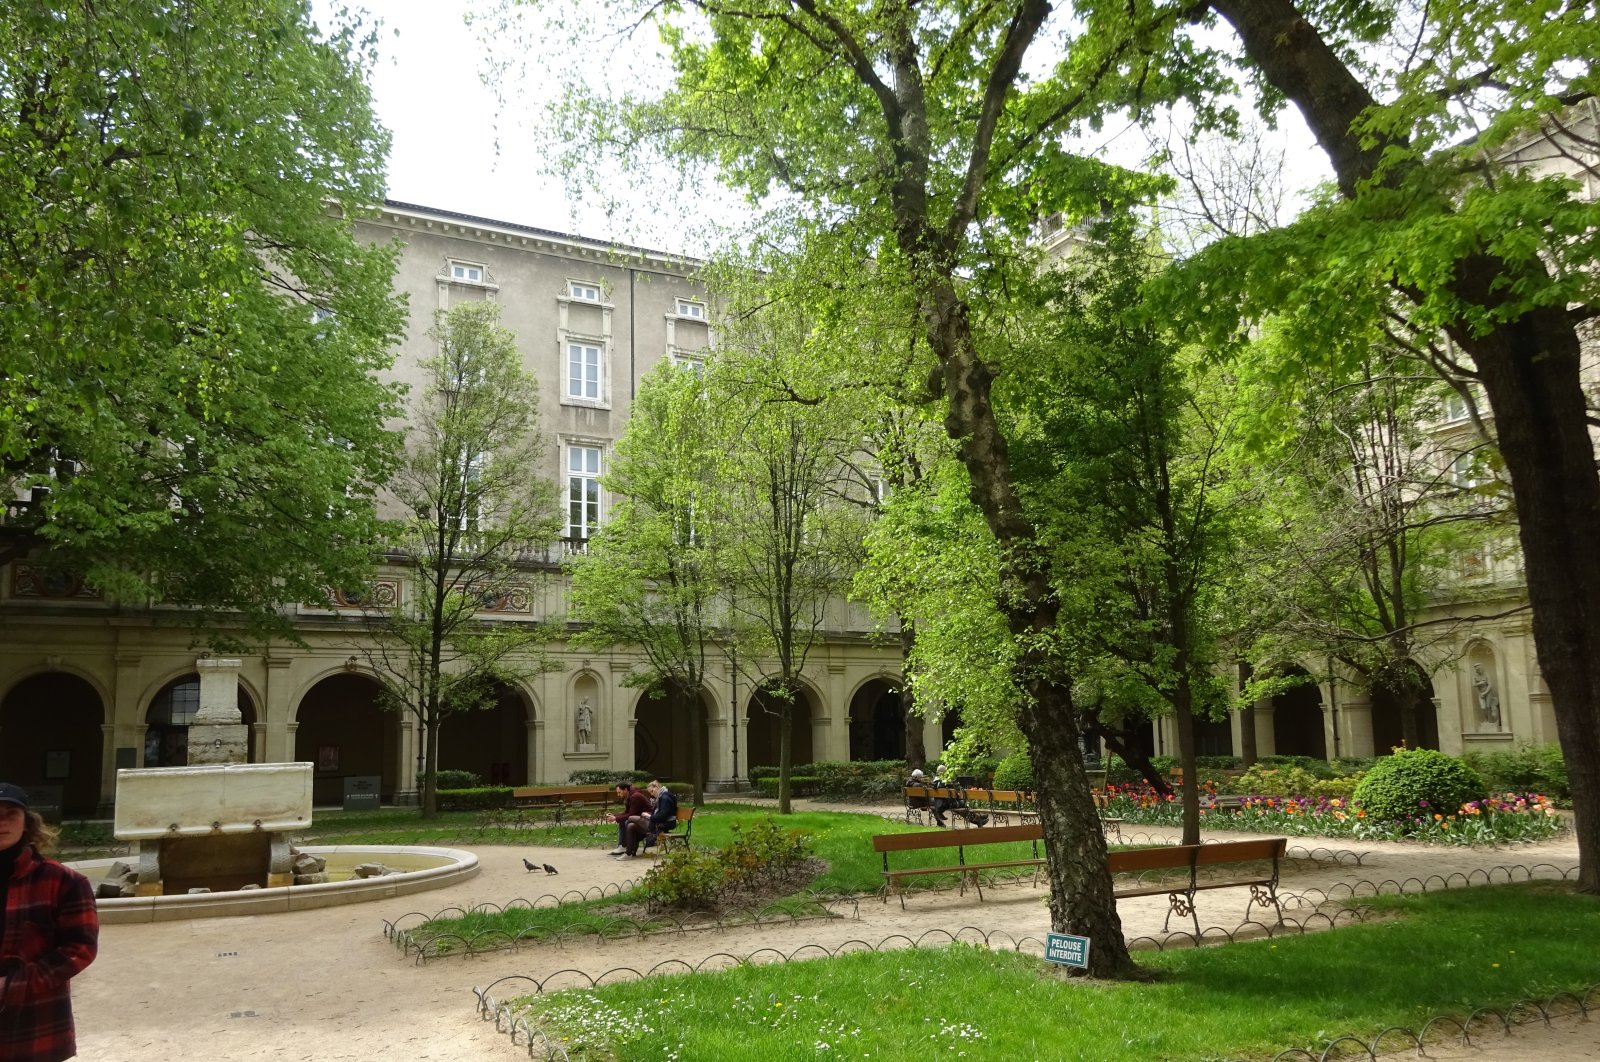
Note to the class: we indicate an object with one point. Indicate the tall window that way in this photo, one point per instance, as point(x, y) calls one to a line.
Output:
point(583, 371)
point(471, 494)
point(583, 491)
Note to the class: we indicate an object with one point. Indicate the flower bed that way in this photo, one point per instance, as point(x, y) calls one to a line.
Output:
point(1502, 819)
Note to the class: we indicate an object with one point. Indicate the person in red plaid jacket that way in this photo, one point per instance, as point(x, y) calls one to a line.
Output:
point(49, 932)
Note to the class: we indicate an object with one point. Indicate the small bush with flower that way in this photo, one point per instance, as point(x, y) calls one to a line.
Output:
point(762, 859)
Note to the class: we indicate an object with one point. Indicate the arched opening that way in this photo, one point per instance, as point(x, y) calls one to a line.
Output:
point(663, 727)
point(1388, 727)
point(345, 732)
point(1297, 720)
point(766, 728)
point(172, 709)
point(50, 740)
point(490, 742)
point(877, 723)
point(949, 722)
point(1212, 737)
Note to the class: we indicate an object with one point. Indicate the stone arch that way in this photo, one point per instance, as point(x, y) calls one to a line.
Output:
point(166, 717)
point(490, 742)
point(878, 720)
point(1297, 718)
point(1387, 727)
point(51, 738)
point(343, 730)
point(763, 732)
point(662, 734)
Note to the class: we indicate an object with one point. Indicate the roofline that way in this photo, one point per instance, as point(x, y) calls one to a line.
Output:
point(610, 248)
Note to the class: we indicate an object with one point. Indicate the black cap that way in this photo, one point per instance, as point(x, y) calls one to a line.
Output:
point(13, 794)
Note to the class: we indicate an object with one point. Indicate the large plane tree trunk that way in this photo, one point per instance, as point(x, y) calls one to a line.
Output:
point(1528, 363)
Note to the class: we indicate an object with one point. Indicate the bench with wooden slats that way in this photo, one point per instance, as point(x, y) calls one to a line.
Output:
point(960, 840)
point(1191, 857)
point(1136, 861)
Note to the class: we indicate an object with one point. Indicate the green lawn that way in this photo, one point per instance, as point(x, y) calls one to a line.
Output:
point(1448, 952)
point(843, 840)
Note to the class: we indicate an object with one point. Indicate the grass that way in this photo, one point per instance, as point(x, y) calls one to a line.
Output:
point(1448, 952)
point(843, 840)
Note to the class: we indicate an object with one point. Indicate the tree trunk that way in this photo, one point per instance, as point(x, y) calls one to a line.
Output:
point(430, 767)
point(1528, 362)
point(1183, 718)
point(785, 755)
point(1247, 720)
point(916, 751)
point(1081, 900)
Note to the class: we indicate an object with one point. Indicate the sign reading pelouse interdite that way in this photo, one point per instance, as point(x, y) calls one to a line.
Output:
point(1067, 950)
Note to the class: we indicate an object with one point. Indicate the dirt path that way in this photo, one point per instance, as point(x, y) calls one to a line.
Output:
point(326, 985)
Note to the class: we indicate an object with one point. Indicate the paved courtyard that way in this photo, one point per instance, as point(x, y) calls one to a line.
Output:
point(325, 985)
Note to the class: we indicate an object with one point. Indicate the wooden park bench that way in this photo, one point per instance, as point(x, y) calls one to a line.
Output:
point(563, 798)
point(960, 840)
point(1005, 806)
point(679, 837)
point(1191, 857)
point(917, 802)
point(1137, 861)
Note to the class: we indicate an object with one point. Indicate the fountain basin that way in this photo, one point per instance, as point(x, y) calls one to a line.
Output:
point(421, 868)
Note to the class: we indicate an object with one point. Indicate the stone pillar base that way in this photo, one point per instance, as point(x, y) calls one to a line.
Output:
point(212, 743)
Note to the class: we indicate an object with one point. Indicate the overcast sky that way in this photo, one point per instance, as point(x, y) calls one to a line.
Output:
point(455, 148)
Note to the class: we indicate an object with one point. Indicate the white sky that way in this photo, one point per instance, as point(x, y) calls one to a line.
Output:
point(454, 148)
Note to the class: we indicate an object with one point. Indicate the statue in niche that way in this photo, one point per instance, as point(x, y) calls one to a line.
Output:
point(1488, 696)
point(585, 722)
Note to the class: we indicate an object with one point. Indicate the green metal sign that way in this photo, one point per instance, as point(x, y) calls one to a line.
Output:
point(1067, 950)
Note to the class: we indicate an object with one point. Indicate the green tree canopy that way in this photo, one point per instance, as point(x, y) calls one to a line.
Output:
point(190, 336)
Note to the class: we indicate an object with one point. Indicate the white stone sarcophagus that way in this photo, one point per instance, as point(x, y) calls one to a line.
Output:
point(216, 826)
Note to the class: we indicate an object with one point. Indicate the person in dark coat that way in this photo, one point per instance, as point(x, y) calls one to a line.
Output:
point(48, 934)
point(663, 818)
point(635, 808)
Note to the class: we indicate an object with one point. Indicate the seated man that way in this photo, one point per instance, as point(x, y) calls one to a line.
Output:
point(635, 807)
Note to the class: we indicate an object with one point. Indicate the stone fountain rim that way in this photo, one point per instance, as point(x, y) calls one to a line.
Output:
point(288, 898)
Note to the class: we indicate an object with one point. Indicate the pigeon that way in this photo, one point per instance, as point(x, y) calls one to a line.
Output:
point(548, 869)
point(531, 866)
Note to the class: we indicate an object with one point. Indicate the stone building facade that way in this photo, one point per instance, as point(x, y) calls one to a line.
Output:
point(87, 687)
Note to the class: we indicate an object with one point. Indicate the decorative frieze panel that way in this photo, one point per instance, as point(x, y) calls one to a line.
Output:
point(28, 581)
point(382, 594)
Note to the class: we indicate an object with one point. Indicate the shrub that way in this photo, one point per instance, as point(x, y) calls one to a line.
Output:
point(799, 785)
point(607, 777)
point(479, 799)
point(1262, 780)
point(1531, 768)
point(1417, 784)
point(452, 778)
point(760, 857)
point(1014, 772)
point(1219, 763)
point(865, 779)
point(1317, 768)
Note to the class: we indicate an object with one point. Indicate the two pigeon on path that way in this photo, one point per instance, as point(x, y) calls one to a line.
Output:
point(532, 866)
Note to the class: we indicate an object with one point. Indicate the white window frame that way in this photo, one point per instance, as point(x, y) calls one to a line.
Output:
point(459, 271)
point(584, 291)
point(1455, 407)
point(1465, 472)
point(692, 309)
point(583, 488)
point(576, 388)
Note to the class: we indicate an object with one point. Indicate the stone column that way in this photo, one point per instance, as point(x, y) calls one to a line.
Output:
point(218, 734)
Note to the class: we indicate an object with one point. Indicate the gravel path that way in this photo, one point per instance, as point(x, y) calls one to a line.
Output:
point(325, 984)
